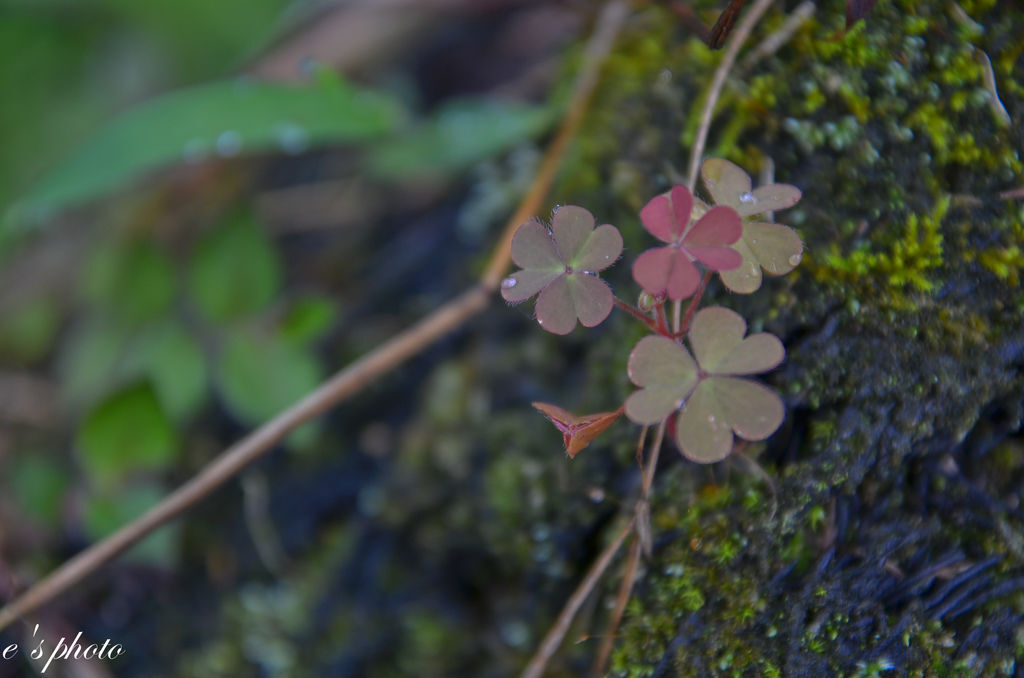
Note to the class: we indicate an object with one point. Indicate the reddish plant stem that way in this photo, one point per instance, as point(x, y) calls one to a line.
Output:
point(663, 321)
point(685, 326)
point(640, 447)
point(636, 313)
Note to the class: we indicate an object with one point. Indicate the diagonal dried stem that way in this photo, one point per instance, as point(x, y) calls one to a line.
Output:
point(732, 49)
point(352, 378)
point(557, 632)
point(638, 547)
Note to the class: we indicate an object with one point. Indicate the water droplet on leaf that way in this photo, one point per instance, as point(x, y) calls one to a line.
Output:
point(747, 198)
point(508, 283)
point(229, 143)
point(293, 138)
point(795, 259)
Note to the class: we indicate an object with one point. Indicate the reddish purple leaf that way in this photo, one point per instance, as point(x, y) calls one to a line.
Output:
point(670, 270)
point(666, 270)
point(577, 432)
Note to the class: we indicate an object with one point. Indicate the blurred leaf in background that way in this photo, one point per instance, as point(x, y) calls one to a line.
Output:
point(458, 135)
point(235, 270)
point(27, 333)
point(219, 119)
point(134, 281)
point(107, 511)
point(259, 375)
point(126, 433)
point(171, 359)
point(39, 483)
point(66, 65)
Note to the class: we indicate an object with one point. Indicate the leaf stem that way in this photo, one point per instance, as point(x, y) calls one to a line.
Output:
point(732, 49)
point(685, 327)
point(636, 313)
point(663, 321)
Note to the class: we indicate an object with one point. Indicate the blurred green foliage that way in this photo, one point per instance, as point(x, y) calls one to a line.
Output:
point(134, 281)
point(458, 135)
point(126, 432)
point(27, 334)
point(235, 270)
point(65, 65)
point(219, 119)
point(39, 484)
point(105, 513)
point(158, 324)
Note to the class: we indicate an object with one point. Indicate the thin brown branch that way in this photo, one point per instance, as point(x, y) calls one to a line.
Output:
point(608, 25)
point(557, 632)
point(621, 599)
point(641, 544)
point(349, 380)
point(732, 49)
point(771, 44)
point(345, 383)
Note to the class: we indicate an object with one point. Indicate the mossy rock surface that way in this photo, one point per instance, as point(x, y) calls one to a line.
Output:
point(896, 546)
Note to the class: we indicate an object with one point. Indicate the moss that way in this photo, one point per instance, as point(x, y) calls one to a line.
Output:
point(902, 261)
point(904, 318)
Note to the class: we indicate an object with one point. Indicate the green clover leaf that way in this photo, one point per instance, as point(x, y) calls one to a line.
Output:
point(774, 248)
point(716, 402)
point(666, 374)
point(562, 265)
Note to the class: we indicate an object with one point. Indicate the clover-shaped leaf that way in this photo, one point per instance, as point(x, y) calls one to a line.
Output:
point(577, 432)
point(670, 270)
point(773, 247)
point(716, 402)
point(666, 373)
point(730, 185)
point(562, 265)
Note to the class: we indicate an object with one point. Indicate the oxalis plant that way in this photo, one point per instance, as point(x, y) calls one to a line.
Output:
point(703, 392)
point(692, 371)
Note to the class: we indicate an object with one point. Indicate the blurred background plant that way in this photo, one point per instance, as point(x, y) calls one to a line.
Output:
point(203, 206)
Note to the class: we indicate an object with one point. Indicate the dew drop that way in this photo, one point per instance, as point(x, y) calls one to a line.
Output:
point(753, 241)
point(293, 138)
point(508, 283)
point(747, 198)
point(196, 150)
point(795, 259)
point(229, 143)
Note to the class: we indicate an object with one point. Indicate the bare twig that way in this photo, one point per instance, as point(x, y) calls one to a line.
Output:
point(600, 44)
point(557, 632)
point(641, 545)
point(732, 48)
point(770, 45)
point(621, 599)
point(351, 379)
